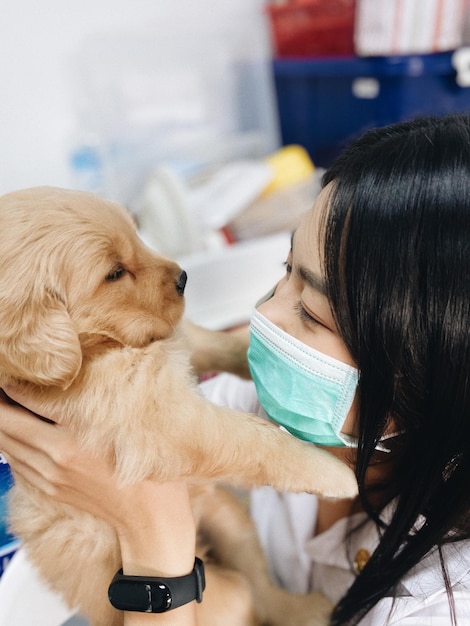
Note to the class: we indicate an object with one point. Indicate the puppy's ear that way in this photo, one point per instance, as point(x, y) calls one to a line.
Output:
point(38, 343)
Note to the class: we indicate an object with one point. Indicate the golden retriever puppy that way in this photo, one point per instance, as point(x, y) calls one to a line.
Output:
point(89, 324)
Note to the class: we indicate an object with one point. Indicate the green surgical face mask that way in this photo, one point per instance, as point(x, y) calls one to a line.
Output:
point(305, 391)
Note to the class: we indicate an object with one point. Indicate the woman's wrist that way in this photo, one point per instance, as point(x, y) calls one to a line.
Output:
point(159, 537)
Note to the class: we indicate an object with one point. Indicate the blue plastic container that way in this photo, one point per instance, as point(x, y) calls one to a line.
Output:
point(8, 543)
point(324, 103)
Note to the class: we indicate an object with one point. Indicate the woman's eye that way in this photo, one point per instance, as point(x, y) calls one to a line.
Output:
point(288, 267)
point(305, 315)
point(116, 274)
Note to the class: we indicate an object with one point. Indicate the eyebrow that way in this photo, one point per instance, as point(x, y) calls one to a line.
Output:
point(314, 281)
point(311, 278)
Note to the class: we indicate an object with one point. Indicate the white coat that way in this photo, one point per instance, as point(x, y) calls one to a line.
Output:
point(302, 562)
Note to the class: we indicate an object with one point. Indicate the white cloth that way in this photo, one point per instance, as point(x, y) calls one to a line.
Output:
point(301, 562)
point(25, 599)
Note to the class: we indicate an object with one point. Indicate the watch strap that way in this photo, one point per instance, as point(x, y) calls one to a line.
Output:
point(156, 594)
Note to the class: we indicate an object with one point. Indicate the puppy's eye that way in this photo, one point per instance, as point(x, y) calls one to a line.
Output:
point(116, 274)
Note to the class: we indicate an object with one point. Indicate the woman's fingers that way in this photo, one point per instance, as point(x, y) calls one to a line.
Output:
point(18, 395)
point(15, 418)
point(35, 435)
point(28, 444)
point(29, 474)
point(47, 456)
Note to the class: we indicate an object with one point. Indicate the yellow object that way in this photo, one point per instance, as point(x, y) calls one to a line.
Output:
point(291, 165)
point(361, 559)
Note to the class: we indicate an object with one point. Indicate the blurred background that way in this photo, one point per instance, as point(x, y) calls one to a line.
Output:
point(213, 121)
point(132, 82)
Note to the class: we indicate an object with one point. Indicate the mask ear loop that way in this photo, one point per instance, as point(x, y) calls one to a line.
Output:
point(352, 442)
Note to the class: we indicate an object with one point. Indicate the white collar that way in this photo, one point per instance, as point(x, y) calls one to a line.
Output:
point(332, 549)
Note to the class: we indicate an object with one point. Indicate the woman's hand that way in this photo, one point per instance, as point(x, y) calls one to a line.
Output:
point(154, 522)
point(47, 456)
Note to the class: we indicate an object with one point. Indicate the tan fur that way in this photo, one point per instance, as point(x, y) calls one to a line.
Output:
point(107, 356)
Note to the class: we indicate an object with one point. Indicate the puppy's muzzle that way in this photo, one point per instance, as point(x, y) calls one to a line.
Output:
point(181, 283)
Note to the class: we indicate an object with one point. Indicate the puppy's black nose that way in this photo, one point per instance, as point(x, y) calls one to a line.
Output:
point(181, 283)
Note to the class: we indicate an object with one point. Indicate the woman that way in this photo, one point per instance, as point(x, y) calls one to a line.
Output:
point(377, 286)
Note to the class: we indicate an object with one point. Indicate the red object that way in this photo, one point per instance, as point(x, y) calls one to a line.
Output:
point(306, 28)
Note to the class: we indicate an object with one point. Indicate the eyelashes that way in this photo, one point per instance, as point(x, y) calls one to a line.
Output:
point(305, 315)
point(115, 274)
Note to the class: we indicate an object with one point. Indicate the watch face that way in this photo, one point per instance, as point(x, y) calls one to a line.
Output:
point(138, 596)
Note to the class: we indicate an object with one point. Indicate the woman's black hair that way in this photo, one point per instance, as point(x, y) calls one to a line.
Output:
point(397, 262)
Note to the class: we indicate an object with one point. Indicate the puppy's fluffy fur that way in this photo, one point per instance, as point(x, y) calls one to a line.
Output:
point(89, 323)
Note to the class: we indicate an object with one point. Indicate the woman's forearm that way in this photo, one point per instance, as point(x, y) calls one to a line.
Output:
point(159, 540)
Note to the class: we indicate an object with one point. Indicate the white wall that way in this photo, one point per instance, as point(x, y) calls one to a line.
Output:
point(38, 41)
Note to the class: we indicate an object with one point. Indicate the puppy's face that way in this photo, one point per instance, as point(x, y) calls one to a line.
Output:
point(74, 269)
point(118, 288)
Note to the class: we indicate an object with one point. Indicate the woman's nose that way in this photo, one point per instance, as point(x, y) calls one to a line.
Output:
point(275, 308)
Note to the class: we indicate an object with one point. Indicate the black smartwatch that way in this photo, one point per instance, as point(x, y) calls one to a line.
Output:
point(148, 594)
